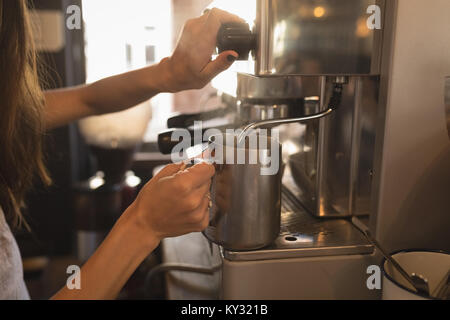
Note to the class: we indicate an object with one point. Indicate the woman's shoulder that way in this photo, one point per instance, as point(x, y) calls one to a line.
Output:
point(12, 285)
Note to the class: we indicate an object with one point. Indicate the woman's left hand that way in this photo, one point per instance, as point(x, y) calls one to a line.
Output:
point(190, 66)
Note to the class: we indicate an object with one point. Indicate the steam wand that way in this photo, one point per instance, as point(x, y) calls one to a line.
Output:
point(335, 102)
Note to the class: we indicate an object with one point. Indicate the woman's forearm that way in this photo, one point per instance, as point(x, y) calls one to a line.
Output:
point(111, 94)
point(126, 90)
point(109, 268)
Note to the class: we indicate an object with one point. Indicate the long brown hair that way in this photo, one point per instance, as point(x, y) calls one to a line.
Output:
point(21, 111)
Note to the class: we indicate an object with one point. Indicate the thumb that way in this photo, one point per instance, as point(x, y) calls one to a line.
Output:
point(220, 64)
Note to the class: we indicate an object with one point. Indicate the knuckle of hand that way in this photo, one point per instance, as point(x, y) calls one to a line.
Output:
point(215, 11)
point(183, 186)
point(192, 203)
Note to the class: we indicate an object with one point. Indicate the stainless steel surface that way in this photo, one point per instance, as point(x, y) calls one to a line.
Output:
point(333, 104)
point(259, 112)
point(304, 48)
point(304, 236)
point(333, 165)
point(246, 205)
point(447, 103)
point(412, 172)
point(275, 122)
point(250, 87)
point(340, 277)
point(311, 37)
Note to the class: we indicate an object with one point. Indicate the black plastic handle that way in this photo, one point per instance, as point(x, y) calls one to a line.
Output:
point(238, 37)
point(187, 119)
point(183, 120)
point(166, 143)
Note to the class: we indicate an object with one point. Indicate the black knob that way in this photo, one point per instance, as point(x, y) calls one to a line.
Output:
point(238, 37)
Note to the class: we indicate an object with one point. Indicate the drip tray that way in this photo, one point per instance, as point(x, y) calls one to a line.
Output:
point(303, 235)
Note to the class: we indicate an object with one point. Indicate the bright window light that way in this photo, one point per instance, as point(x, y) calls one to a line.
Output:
point(126, 35)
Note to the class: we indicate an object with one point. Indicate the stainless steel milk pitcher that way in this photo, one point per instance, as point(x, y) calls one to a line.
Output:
point(246, 195)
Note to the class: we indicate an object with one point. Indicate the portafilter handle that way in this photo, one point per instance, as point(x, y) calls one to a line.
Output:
point(186, 120)
point(167, 141)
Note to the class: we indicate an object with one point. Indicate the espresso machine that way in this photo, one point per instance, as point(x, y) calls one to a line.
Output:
point(302, 59)
point(300, 55)
point(306, 56)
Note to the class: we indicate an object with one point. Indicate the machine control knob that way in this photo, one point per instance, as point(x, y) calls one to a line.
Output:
point(238, 37)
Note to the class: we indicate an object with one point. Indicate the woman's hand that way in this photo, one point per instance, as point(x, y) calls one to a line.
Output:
point(190, 66)
point(175, 201)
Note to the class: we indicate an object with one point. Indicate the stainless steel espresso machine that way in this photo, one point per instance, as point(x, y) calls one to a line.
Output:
point(303, 53)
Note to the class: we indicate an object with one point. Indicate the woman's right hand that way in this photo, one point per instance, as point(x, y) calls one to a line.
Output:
point(175, 201)
point(190, 66)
